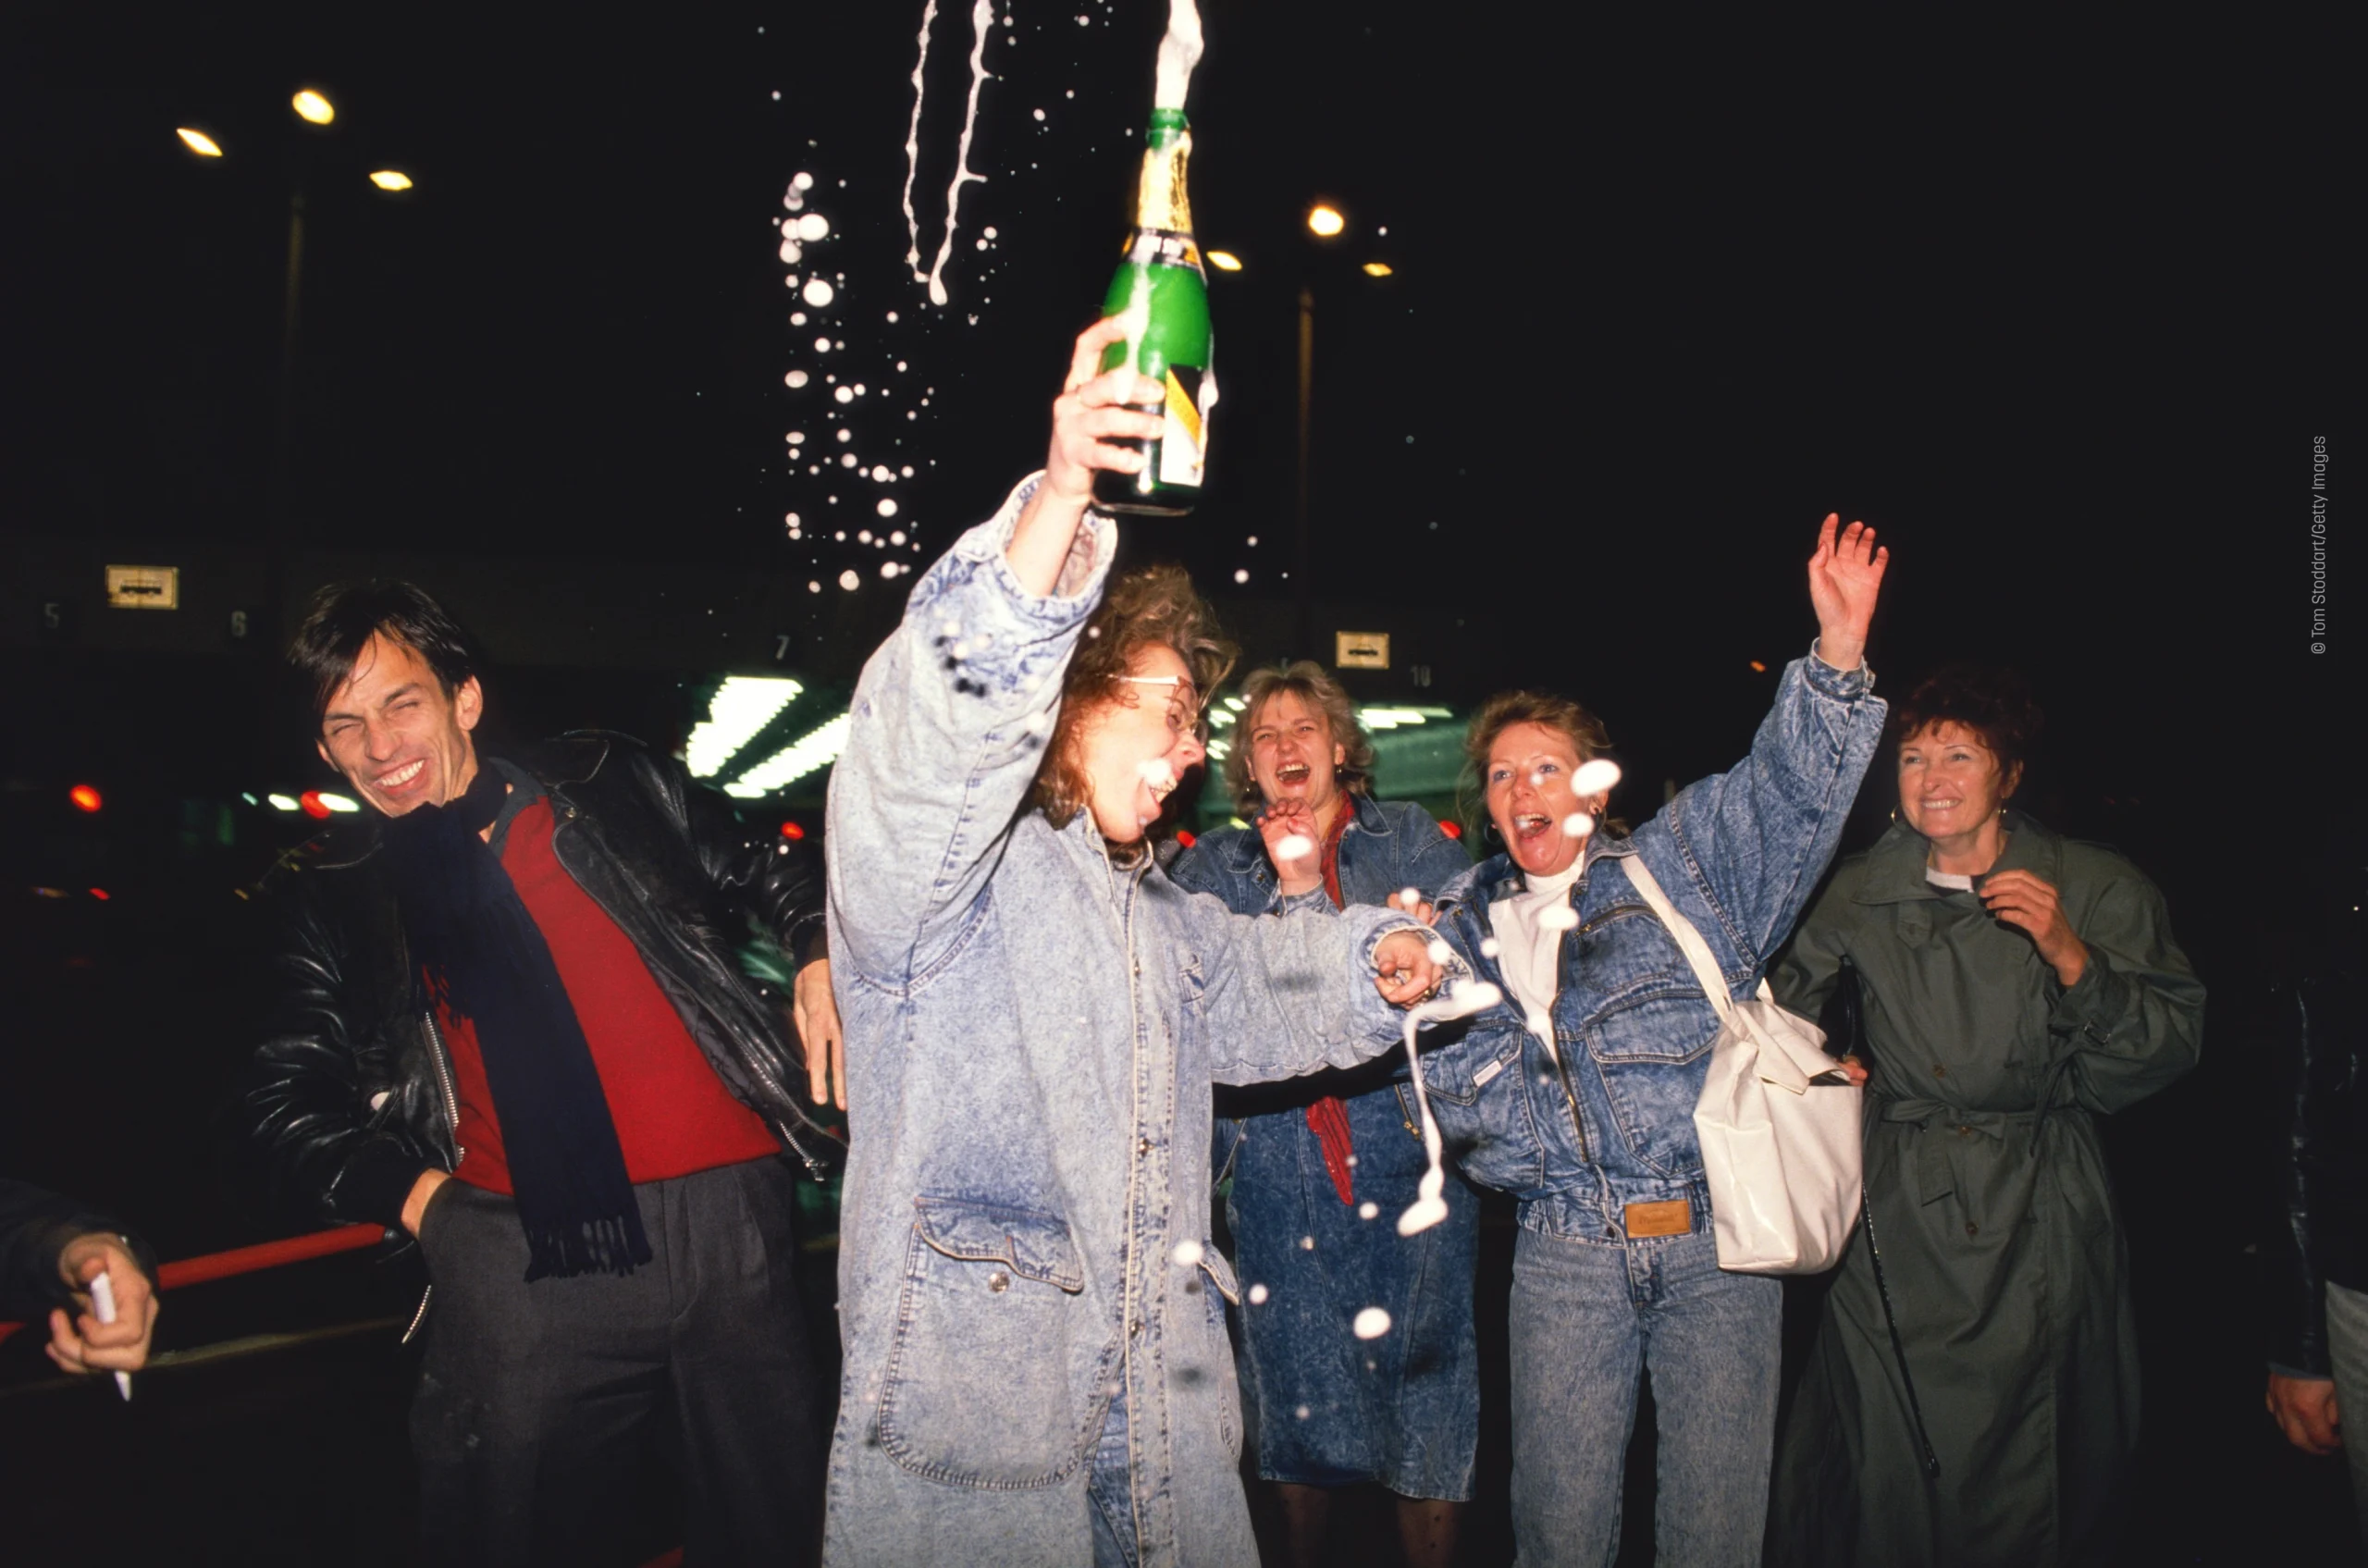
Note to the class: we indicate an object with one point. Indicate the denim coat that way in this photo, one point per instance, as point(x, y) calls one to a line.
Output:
point(1329, 1408)
point(1031, 1034)
point(1607, 1119)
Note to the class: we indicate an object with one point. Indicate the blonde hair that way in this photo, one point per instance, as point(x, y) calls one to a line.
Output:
point(1312, 684)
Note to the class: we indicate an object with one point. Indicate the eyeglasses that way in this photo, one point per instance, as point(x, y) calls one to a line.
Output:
point(1185, 709)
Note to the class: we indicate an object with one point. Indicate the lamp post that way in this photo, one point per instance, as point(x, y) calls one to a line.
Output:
point(314, 108)
point(319, 112)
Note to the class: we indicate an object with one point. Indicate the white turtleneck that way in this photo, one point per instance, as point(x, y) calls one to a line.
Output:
point(1529, 948)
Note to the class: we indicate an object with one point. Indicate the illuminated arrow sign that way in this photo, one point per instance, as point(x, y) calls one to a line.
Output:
point(144, 588)
point(1361, 650)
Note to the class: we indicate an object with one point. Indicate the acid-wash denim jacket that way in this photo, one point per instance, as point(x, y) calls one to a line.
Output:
point(1387, 845)
point(1607, 1119)
point(1031, 1034)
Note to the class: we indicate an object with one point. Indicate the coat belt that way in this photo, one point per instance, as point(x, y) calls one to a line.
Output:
point(1946, 1130)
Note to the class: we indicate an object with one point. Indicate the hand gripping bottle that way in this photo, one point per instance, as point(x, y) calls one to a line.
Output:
point(1163, 295)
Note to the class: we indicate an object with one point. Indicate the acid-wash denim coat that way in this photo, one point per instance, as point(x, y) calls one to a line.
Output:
point(1607, 1118)
point(1032, 1034)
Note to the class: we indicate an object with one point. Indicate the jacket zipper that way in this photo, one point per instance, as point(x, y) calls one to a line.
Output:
point(452, 1116)
point(1562, 1067)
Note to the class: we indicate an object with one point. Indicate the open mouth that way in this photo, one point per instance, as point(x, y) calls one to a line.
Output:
point(1291, 773)
point(400, 776)
point(1159, 781)
point(1530, 826)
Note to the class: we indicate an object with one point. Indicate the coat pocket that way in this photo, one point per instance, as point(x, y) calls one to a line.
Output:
point(1651, 1056)
point(985, 1380)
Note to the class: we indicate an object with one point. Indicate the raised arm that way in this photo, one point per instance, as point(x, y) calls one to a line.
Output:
point(1761, 835)
point(951, 715)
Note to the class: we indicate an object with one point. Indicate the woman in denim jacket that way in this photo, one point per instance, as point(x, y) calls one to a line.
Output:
point(1322, 1166)
point(1036, 1363)
point(1576, 1092)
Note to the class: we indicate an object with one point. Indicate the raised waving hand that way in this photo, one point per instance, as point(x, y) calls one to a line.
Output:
point(1846, 576)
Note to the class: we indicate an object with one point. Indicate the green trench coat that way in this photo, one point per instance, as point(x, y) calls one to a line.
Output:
point(1992, 1209)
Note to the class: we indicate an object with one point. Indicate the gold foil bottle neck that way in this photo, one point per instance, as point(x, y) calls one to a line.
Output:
point(1161, 202)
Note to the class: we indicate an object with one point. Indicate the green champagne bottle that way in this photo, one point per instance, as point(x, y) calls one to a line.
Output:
point(1163, 295)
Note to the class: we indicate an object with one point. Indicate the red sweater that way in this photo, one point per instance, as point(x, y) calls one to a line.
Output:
point(673, 1116)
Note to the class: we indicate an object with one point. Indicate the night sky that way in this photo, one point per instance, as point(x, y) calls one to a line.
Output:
point(2047, 308)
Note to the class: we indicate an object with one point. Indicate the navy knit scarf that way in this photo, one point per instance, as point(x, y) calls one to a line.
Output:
point(485, 961)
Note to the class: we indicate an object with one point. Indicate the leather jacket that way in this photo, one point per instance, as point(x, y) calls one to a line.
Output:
point(2319, 1053)
point(350, 1097)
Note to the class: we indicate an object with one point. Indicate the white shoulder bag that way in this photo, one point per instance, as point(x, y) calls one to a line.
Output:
point(1781, 1147)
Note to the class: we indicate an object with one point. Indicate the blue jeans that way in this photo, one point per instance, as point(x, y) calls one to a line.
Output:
point(1586, 1315)
point(1109, 1492)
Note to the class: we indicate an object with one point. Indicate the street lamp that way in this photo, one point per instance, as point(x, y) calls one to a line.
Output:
point(390, 179)
point(1325, 221)
point(197, 141)
point(313, 109)
point(1225, 261)
point(1378, 269)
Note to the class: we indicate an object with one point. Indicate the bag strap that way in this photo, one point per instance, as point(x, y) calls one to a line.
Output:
point(1689, 941)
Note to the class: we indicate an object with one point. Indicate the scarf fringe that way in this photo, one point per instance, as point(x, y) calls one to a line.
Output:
point(614, 1245)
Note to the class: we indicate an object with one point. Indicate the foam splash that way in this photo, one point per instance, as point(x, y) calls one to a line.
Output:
point(1374, 1322)
point(1180, 51)
point(1460, 1000)
point(1294, 846)
point(1596, 777)
point(983, 18)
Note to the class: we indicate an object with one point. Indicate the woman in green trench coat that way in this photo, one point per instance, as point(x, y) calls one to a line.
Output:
point(2012, 986)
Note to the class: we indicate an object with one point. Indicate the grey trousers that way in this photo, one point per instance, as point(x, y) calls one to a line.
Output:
point(2348, 1350)
point(537, 1403)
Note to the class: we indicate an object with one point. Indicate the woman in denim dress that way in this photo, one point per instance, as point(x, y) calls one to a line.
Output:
point(1036, 1367)
point(1322, 1166)
point(1575, 1091)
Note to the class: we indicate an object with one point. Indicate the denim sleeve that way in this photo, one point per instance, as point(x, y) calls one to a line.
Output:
point(949, 720)
point(1291, 995)
point(1755, 840)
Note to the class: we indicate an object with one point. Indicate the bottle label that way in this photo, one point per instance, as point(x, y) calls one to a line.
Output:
point(1183, 449)
point(1157, 247)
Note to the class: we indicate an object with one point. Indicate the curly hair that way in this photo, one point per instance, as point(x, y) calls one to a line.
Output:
point(1501, 712)
point(1155, 607)
point(1314, 685)
point(1993, 701)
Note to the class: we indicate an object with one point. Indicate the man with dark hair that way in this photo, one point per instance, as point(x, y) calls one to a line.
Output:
point(509, 1020)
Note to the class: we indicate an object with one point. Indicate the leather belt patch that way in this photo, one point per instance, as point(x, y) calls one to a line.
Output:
point(1671, 1219)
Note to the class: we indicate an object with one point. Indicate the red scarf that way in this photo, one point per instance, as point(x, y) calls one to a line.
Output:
point(1328, 1118)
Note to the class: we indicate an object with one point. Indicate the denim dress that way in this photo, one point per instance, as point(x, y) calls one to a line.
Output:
point(1615, 1269)
point(1037, 1369)
point(1328, 1409)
